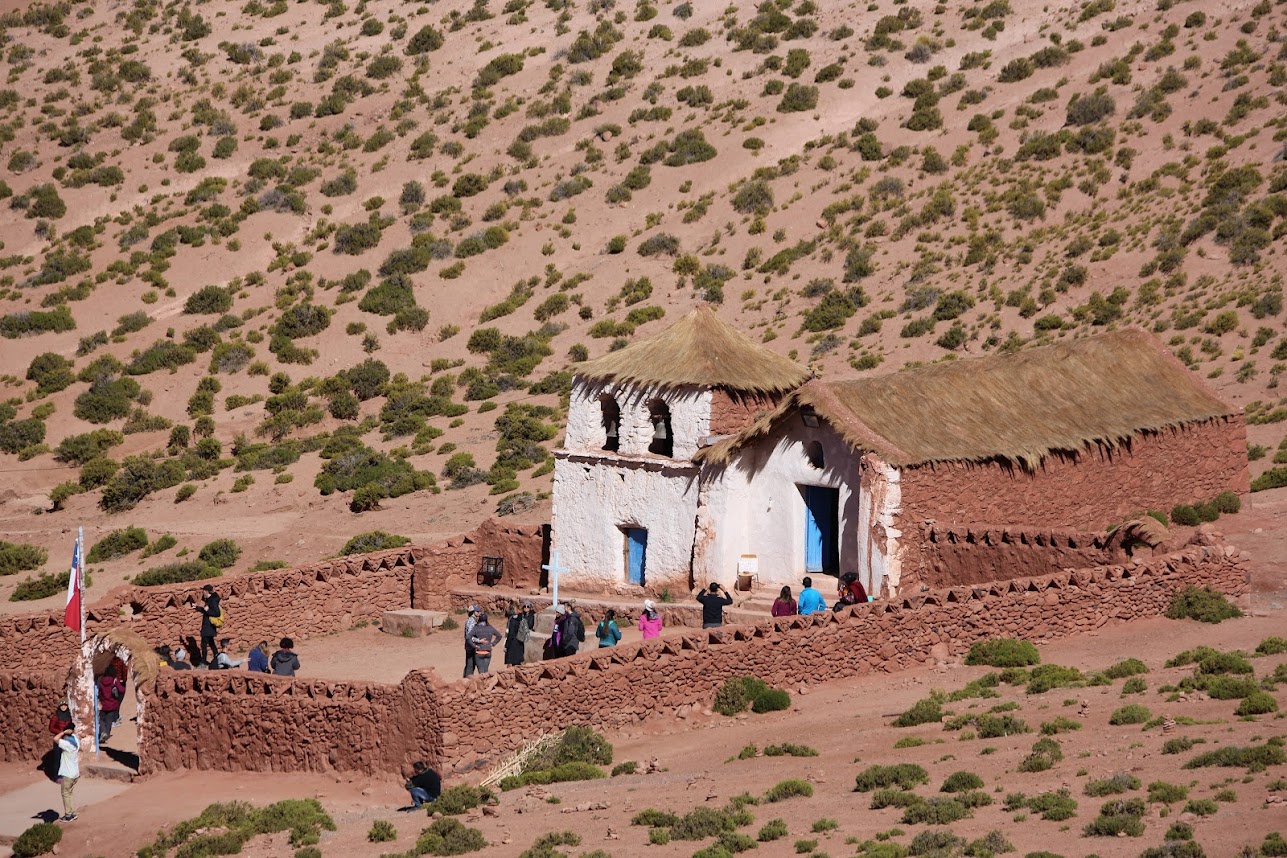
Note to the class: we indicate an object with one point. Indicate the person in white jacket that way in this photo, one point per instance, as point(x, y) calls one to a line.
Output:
point(69, 770)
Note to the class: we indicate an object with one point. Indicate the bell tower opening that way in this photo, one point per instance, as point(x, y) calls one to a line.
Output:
point(611, 423)
point(663, 439)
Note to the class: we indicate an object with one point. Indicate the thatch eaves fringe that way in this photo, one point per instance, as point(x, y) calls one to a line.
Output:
point(1017, 408)
point(699, 350)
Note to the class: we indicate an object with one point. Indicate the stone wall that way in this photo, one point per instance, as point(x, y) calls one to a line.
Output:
point(733, 411)
point(26, 702)
point(1100, 486)
point(947, 556)
point(484, 717)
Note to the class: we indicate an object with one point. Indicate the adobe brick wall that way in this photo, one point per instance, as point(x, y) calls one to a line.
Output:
point(948, 556)
point(732, 413)
point(26, 702)
point(455, 563)
point(1098, 487)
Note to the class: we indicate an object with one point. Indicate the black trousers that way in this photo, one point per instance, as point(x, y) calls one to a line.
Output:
point(208, 646)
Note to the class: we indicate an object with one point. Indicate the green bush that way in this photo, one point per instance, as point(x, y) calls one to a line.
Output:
point(376, 540)
point(221, 553)
point(1126, 667)
point(461, 799)
point(1047, 676)
point(448, 836)
point(1117, 818)
point(563, 772)
point(789, 749)
point(1059, 725)
point(935, 811)
point(382, 831)
point(1045, 753)
point(39, 839)
point(1253, 757)
point(174, 573)
point(1161, 792)
point(42, 587)
point(1224, 662)
point(1202, 604)
point(1003, 652)
point(700, 823)
point(1272, 645)
point(1133, 713)
point(774, 829)
point(1257, 703)
point(788, 789)
point(1054, 806)
point(770, 700)
point(79, 449)
point(1115, 785)
point(116, 544)
point(928, 710)
point(51, 372)
point(905, 776)
point(654, 818)
point(961, 781)
point(18, 557)
point(736, 694)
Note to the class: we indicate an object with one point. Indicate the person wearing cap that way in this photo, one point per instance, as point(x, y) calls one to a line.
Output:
point(519, 626)
point(470, 622)
point(211, 621)
point(650, 621)
point(484, 638)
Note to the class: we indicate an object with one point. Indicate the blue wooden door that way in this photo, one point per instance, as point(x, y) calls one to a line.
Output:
point(636, 554)
point(821, 521)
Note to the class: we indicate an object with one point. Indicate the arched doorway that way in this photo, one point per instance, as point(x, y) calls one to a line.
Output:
point(99, 655)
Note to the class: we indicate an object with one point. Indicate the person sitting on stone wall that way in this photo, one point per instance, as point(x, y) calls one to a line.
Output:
point(784, 605)
point(650, 621)
point(811, 600)
point(285, 662)
point(179, 660)
point(257, 661)
point(223, 661)
point(483, 638)
point(425, 785)
point(713, 605)
point(164, 655)
point(851, 592)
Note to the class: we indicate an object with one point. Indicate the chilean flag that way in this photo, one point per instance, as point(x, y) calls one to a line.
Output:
point(72, 615)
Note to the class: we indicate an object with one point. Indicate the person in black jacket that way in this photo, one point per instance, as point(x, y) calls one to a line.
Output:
point(209, 610)
point(285, 662)
point(425, 786)
point(713, 606)
point(519, 626)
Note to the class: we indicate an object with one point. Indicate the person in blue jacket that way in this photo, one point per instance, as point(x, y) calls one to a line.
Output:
point(811, 600)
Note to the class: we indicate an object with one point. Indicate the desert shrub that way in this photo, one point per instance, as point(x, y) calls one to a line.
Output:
point(961, 781)
point(28, 322)
point(770, 700)
point(1272, 645)
point(382, 831)
point(221, 553)
point(1045, 753)
point(21, 434)
point(51, 373)
point(576, 745)
point(162, 543)
point(41, 587)
point(1118, 817)
point(376, 540)
point(1257, 703)
point(425, 40)
point(1133, 713)
point(1055, 806)
point(1202, 604)
point(1178, 745)
point(928, 710)
point(1089, 109)
point(79, 449)
point(1115, 785)
point(116, 544)
point(561, 773)
point(448, 836)
point(174, 573)
point(1161, 792)
point(1126, 667)
point(905, 776)
point(934, 842)
point(1003, 652)
point(39, 839)
point(1253, 757)
point(1224, 662)
point(774, 829)
point(1059, 725)
point(209, 299)
point(1274, 845)
point(1047, 676)
point(1191, 656)
point(789, 749)
point(629, 767)
point(1134, 685)
point(788, 789)
point(461, 799)
point(654, 818)
point(736, 694)
point(20, 557)
point(938, 810)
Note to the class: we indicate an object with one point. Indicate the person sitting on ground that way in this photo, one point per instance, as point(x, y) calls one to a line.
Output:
point(483, 638)
point(61, 719)
point(180, 660)
point(650, 621)
point(811, 600)
point(573, 631)
point(285, 662)
point(425, 785)
point(713, 605)
point(554, 643)
point(607, 632)
point(111, 691)
point(223, 661)
point(784, 605)
point(851, 592)
point(163, 653)
point(257, 661)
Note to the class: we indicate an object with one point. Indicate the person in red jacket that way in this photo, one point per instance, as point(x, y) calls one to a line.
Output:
point(111, 691)
point(61, 719)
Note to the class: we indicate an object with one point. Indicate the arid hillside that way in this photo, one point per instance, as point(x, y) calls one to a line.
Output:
point(283, 273)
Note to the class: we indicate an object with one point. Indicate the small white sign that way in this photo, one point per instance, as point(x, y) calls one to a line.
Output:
point(748, 564)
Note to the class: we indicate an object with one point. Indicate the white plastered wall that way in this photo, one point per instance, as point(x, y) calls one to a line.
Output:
point(880, 504)
point(690, 418)
point(754, 506)
point(595, 498)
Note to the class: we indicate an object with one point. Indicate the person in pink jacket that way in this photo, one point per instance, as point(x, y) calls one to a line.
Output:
point(650, 621)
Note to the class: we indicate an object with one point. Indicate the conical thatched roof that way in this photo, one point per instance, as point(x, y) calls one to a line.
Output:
point(1017, 407)
point(700, 350)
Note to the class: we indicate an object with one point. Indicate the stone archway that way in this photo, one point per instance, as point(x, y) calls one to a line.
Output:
point(96, 654)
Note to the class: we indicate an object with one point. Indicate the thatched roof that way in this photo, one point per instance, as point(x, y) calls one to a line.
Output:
point(1017, 407)
point(700, 350)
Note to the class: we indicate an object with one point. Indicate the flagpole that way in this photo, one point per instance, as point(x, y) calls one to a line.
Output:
point(80, 578)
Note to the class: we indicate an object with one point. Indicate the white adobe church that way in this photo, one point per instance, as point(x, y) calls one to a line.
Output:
point(698, 451)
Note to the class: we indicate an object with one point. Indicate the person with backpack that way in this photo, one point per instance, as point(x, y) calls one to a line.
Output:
point(518, 628)
point(607, 632)
point(111, 691)
point(484, 639)
point(211, 622)
point(285, 662)
point(574, 631)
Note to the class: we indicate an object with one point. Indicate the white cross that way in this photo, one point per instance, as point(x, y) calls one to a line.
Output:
point(554, 569)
